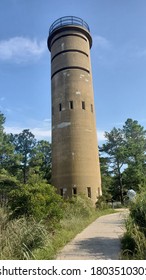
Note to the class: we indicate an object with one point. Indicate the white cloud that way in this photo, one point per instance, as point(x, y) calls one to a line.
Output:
point(21, 49)
point(100, 136)
point(39, 133)
point(44, 133)
point(12, 129)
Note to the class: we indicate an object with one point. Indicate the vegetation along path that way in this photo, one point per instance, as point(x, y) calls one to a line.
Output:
point(100, 240)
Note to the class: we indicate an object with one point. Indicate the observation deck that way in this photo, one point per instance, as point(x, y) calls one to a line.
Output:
point(69, 22)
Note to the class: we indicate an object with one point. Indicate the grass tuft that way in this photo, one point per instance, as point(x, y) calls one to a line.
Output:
point(25, 238)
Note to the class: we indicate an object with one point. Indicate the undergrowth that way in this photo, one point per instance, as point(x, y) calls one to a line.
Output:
point(25, 238)
point(134, 239)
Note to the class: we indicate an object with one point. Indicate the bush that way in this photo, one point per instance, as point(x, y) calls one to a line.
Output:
point(138, 212)
point(128, 240)
point(27, 238)
point(36, 199)
point(134, 240)
point(101, 203)
point(79, 206)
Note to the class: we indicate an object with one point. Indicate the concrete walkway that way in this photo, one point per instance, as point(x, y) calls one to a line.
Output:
point(99, 241)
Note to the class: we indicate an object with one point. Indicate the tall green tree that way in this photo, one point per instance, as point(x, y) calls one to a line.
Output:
point(7, 162)
point(41, 160)
point(115, 149)
point(2, 121)
point(126, 151)
point(135, 144)
point(106, 178)
point(24, 145)
point(7, 156)
point(2, 135)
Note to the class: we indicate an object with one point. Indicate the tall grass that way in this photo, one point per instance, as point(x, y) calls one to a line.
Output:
point(133, 242)
point(78, 214)
point(24, 238)
point(134, 239)
point(19, 237)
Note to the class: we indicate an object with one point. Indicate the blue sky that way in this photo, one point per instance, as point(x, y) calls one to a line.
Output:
point(118, 57)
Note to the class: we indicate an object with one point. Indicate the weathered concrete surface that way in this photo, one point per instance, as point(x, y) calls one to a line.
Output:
point(100, 240)
point(75, 160)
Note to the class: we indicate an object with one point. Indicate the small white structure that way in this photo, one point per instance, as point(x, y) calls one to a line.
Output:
point(131, 194)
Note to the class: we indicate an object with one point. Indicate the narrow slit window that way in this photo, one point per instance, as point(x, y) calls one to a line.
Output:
point(89, 192)
point(61, 192)
point(60, 107)
point(71, 105)
point(74, 191)
point(83, 105)
point(92, 108)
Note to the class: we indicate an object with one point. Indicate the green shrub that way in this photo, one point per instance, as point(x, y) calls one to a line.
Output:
point(78, 206)
point(128, 244)
point(134, 240)
point(27, 238)
point(138, 212)
point(128, 241)
point(101, 203)
point(36, 199)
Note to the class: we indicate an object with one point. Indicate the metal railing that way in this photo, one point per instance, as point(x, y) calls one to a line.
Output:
point(68, 20)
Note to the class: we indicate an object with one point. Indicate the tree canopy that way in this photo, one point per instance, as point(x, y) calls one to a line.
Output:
point(125, 150)
point(122, 160)
point(21, 157)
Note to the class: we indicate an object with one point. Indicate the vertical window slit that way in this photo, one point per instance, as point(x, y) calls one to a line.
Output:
point(89, 192)
point(71, 105)
point(60, 107)
point(83, 105)
point(74, 191)
point(92, 108)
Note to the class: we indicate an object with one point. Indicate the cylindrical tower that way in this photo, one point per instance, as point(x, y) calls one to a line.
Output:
point(75, 160)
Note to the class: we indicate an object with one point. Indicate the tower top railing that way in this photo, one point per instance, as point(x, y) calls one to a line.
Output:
point(68, 20)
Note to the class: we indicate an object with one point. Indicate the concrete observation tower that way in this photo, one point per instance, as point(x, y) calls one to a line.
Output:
point(75, 160)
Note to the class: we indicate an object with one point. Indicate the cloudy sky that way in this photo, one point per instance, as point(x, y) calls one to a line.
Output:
point(118, 29)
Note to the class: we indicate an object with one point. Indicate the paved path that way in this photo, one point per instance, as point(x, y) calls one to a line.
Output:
point(100, 240)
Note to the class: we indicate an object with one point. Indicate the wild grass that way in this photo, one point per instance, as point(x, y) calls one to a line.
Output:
point(134, 239)
point(19, 237)
point(24, 238)
point(79, 213)
point(133, 242)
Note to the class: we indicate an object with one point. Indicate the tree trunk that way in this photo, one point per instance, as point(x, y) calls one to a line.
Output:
point(120, 184)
